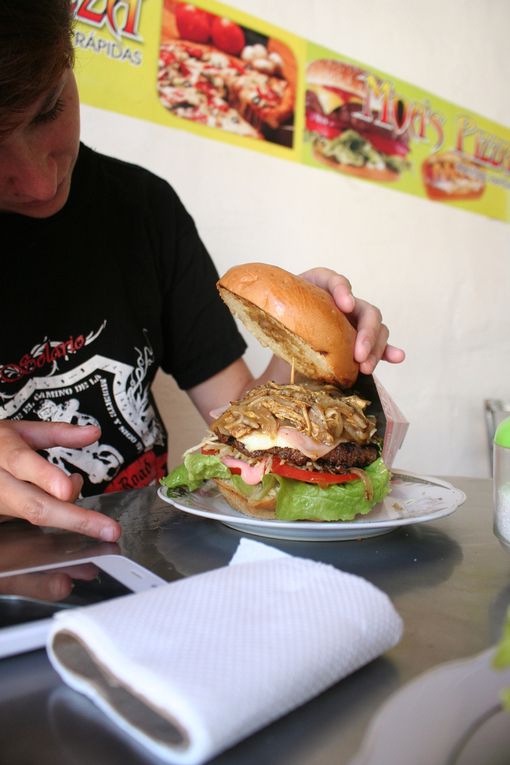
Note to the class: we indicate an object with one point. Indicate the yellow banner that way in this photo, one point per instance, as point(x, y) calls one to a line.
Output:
point(220, 73)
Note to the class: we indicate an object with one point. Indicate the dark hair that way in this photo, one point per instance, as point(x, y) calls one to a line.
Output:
point(36, 45)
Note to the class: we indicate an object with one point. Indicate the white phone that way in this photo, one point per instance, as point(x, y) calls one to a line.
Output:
point(29, 597)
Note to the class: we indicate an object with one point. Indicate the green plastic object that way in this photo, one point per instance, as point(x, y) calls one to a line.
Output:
point(502, 435)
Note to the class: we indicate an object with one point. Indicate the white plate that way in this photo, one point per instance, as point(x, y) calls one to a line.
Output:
point(413, 499)
point(450, 715)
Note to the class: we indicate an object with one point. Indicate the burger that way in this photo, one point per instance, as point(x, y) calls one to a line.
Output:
point(340, 137)
point(304, 450)
point(449, 177)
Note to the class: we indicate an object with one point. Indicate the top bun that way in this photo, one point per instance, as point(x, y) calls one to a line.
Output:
point(298, 321)
point(336, 74)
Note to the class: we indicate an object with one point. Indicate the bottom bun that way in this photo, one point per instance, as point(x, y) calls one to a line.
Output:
point(371, 173)
point(262, 508)
point(449, 177)
point(452, 196)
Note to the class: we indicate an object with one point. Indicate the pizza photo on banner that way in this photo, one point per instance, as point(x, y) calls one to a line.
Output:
point(218, 73)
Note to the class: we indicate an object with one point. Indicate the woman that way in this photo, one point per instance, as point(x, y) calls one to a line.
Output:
point(105, 280)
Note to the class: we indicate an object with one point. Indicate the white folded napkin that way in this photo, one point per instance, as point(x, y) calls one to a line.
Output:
point(194, 666)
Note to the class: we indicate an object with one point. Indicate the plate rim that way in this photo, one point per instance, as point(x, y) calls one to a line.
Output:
point(332, 526)
point(472, 668)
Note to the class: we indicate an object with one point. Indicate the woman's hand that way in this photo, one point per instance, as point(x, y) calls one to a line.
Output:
point(37, 491)
point(372, 335)
point(51, 585)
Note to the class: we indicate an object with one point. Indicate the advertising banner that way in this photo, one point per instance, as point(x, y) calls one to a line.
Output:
point(213, 70)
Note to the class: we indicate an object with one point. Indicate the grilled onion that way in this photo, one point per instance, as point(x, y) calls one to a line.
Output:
point(322, 412)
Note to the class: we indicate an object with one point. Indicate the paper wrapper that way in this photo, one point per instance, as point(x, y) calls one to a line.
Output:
point(190, 668)
point(391, 423)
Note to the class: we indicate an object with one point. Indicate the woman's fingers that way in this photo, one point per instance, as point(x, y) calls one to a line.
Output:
point(372, 338)
point(18, 441)
point(20, 499)
point(371, 343)
point(44, 435)
point(52, 586)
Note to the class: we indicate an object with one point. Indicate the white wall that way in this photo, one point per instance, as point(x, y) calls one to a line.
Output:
point(441, 276)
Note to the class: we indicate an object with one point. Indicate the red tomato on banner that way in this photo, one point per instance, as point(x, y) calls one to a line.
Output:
point(227, 36)
point(193, 23)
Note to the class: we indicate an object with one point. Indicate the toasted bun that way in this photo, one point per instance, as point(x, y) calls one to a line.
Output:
point(370, 173)
point(451, 196)
point(448, 177)
point(336, 74)
point(264, 508)
point(298, 321)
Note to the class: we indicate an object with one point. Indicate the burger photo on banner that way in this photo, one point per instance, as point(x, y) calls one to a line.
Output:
point(343, 125)
point(217, 73)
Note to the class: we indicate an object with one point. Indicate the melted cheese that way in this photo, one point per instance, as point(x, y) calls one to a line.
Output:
point(256, 441)
point(329, 99)
point(287, 438)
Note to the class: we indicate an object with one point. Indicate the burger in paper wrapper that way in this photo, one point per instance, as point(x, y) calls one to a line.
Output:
point(307, 450)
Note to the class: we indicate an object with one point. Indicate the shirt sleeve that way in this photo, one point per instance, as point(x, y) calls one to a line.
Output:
point(200, 336)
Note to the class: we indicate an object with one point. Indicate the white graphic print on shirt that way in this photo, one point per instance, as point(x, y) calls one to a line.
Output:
point(99, 461)
point(117, 393)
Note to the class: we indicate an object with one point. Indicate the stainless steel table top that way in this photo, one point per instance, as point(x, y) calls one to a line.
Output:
point(449, 580)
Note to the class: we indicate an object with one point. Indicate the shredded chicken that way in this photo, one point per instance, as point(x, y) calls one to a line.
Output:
point(322, 412)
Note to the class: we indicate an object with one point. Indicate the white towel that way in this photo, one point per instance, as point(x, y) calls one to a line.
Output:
point(192, 667)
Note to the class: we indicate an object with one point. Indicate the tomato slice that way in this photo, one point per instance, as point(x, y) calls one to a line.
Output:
point(390, 146)
point(298, 474)
point(309, 476)
point(319, 123)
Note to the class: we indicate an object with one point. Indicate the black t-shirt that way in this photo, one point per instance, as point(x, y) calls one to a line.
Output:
point(94, 300)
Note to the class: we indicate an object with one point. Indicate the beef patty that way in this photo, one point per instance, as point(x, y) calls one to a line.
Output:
point(338, 460)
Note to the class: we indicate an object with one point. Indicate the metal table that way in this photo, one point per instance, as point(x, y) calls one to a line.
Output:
point(449, 580)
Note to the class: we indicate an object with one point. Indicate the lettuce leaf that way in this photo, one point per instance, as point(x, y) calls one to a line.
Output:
point(501, 658)
point(351, 148)
point(198, 468)
point(339, 502)
point(259, 490)
point(195, 469)
point(295, 500)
